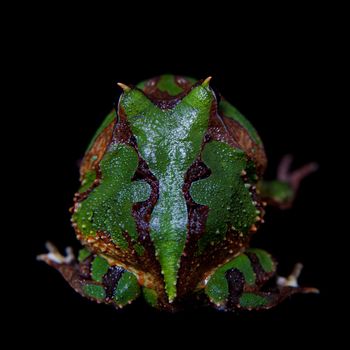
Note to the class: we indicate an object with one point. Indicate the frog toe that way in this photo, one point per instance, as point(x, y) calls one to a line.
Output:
point(282, 191)
point(54, 257)
point(292, 281)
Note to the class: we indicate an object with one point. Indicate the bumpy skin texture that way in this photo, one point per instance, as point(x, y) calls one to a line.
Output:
point(170, 195)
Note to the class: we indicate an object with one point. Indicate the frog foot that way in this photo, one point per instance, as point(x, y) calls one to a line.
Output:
point(292, 280)
point(294, 178)
point(54, 257)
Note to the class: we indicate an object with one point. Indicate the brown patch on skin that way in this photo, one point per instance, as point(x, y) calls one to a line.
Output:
point(102, 244)
point(183, 83)
point(110, 280)
point(235, 281)
point(142, 211)
point(260, 274)
point(224, 129)
point(240, 135)
point(151, 86)
point(160, 98)
point(197, 216)
point(217, 129)
point(122, 132)
point(164, 100)
point(97, 150)
point(72, 273)
point(195, 269)
point(259, 205)
point(85, 267)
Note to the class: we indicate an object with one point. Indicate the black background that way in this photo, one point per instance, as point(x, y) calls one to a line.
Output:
point(279, 76)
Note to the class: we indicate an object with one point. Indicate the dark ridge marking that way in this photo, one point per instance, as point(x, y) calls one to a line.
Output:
point(235, 281)
point(161, 98)
point(241, 137)
point(197, 216)
point(151, 86)
point(110, 280)
point(142, 211)
point(85, 267)
point(79, 197)
point(131, 248)
point(255, 198)
point(217, 129)
point(261, 275)
point(122, 132)
point(165, 101)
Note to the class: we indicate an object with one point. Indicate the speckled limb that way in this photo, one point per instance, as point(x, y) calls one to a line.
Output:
point(239, 284)
point(93, 277)
point(282, 191)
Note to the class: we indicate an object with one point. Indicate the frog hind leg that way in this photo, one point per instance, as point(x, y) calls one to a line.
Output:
point(240, 283)
point(282, 191)
point(91, 276)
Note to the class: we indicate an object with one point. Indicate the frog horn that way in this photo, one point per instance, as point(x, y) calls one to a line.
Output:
point(124, 87)
point(206, 81)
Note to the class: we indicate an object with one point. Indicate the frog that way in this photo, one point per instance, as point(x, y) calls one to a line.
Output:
point(171, 193)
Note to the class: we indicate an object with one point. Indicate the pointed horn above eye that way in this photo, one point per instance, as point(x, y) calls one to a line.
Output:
point(124, 87)
point(206, 81)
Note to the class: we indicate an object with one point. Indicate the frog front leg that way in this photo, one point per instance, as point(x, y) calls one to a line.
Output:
point(282, 191)
point(93, 277)
point(239, 284)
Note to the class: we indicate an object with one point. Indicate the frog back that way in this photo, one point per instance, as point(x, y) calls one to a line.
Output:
point(167, 183)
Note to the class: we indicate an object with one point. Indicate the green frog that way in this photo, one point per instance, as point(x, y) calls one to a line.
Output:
point(171, 193)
